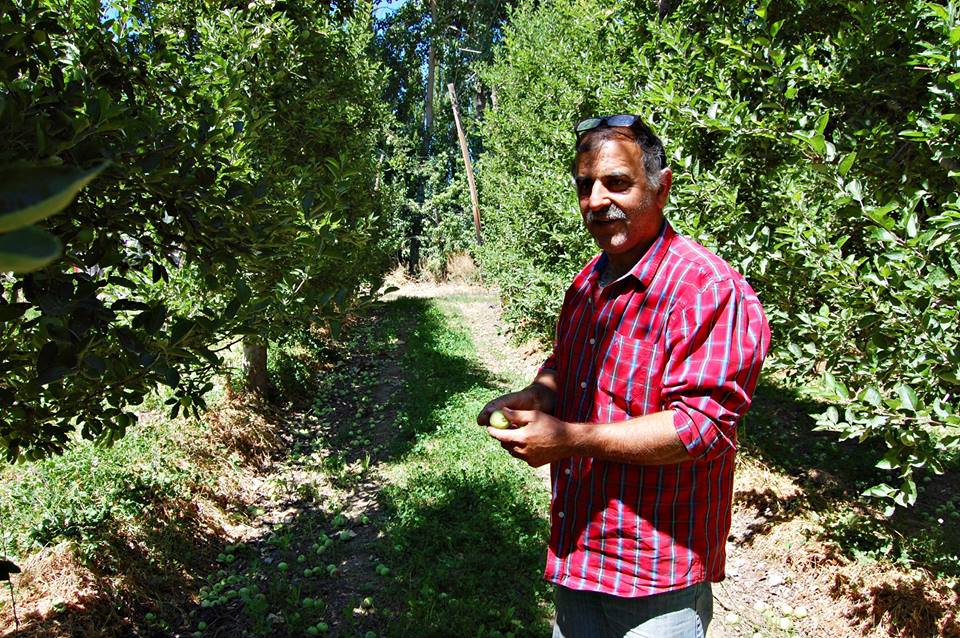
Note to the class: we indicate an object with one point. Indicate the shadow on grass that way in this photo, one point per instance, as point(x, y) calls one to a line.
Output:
point(469, 551)
point(399, 366)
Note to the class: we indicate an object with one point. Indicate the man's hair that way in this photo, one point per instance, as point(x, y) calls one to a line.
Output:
point(654, 156)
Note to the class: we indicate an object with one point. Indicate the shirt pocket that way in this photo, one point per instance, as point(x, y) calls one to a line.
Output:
point(632, 375)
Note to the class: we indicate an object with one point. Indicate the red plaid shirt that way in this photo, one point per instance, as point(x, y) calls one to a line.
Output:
point(682, 331)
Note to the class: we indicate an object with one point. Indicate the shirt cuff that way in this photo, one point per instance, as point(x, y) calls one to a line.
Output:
point(700, 434)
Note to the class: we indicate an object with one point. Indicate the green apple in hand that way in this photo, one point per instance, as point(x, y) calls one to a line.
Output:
point(499, 420)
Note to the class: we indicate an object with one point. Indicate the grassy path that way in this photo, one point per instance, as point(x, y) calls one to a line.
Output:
point(465, 522)
point(402, 518)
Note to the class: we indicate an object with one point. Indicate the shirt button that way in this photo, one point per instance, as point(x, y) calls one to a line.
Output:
point(560, 514)
point(583, 384)
point(567, 471)
point(592, 341)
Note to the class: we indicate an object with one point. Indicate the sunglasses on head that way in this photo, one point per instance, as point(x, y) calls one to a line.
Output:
point(610, 120)
point(625, 120)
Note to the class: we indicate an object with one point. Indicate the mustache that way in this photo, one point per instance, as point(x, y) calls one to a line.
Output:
point(610, 213)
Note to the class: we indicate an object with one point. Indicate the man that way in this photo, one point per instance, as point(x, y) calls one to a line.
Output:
point(658, 348)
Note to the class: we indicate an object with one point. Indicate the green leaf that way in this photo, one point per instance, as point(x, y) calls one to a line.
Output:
point(908, 398)
point(889, 462)
point(878, 215)
point(180, 330)
point(822, 123)
point(171, 377)
point(31, 193)
point(908, 493)
point(855, 189)
point(912, 225)
point(813, 140)
point(27, 249)
point(880, 491)
point(846, 163)
point(872, 397)
point(209, 355)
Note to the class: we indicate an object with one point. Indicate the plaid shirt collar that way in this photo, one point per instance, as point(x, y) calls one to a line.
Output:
point(646, 267)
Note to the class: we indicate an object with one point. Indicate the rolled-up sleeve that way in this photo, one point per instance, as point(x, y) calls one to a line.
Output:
point(717, 341)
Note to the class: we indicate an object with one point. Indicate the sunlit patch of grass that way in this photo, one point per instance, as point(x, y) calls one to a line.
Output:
point(467, 526)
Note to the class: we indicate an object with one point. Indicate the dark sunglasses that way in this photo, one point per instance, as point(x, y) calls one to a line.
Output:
point(628, 121)
point(610, 120)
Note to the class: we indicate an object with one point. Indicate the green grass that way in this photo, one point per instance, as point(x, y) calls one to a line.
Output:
point(91, 494)
point(467, 527)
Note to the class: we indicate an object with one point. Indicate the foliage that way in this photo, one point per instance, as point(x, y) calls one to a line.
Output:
point(239, 198)
point(435, 214)
point(814, 146)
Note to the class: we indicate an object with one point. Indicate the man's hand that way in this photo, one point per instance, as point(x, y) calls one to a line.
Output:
point(541, 439)
point(536, 396)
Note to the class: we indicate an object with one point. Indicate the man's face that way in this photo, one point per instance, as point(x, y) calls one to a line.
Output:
point(619, 208)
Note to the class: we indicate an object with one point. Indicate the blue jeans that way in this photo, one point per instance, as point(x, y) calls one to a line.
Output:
point(684, 613)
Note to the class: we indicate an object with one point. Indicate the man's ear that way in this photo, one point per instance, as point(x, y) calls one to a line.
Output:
point(666, 181)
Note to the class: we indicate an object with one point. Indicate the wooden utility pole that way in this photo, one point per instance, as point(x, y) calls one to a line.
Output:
point(466, 161)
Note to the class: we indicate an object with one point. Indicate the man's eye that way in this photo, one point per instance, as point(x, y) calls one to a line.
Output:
point(616, 184)
point(584, 187)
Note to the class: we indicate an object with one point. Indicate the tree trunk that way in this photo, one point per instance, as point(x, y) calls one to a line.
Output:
point(255, 367)
point(413, 266)
point(428, 95)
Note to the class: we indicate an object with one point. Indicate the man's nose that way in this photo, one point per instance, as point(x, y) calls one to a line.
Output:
point(599, 196)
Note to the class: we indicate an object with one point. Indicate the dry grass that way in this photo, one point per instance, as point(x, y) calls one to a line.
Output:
point(884, 601)
point(461, 269)
point(245, 426)
point(51, 580)
point(777, 526)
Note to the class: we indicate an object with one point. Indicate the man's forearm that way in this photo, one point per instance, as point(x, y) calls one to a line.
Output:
point(647, 440)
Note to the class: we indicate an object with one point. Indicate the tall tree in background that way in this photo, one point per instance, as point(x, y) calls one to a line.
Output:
point(424, 45)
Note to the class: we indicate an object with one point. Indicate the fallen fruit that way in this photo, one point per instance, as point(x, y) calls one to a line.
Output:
point(499, 420)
